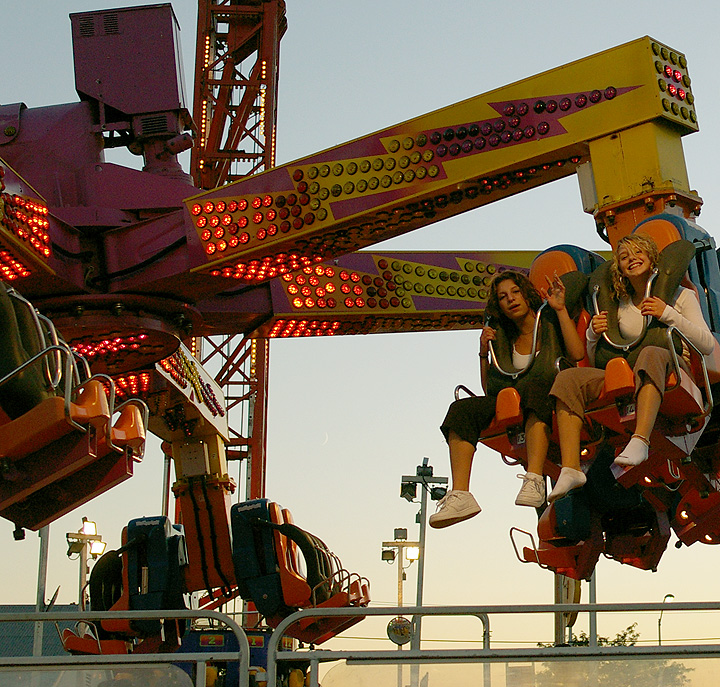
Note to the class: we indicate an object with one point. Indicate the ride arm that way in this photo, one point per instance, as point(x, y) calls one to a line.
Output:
point(461, 157)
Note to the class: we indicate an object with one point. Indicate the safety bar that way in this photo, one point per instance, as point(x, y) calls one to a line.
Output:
point(70, 374)
point(533, 350)
point(676, 365)
point(646, 320)
point(51, 336)
point(53, 379)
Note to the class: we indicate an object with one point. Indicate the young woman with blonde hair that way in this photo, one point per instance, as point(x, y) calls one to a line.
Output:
point(634, 261)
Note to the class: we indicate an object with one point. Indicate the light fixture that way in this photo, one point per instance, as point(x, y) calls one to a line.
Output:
point(408, 490)
point(97, 548)
point(412, 553)
point(400, 533)
point(86, 536)
point(88, 527)
point(388, 555)
point(437, 493)
point(662, 608)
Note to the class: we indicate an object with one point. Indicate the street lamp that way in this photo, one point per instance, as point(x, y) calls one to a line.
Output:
point(399, 549)
point(435, 487)
point(83, 542)
point(665, 598)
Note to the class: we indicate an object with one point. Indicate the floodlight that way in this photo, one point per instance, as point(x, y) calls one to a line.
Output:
point(437, 493)
point(88, 527)
point(408, 490)
point(97, 548)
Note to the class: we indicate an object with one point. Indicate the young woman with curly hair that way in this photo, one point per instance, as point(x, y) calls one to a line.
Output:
point(514, 303)
point(634, 259)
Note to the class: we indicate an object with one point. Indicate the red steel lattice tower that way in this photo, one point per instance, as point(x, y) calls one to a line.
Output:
point(235, 110)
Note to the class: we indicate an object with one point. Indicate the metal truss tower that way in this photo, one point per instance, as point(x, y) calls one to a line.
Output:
point(235, 109)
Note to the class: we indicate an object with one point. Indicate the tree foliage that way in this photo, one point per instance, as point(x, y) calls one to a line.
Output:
point(612, 672)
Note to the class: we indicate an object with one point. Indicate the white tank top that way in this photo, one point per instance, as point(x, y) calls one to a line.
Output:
point(520, 360)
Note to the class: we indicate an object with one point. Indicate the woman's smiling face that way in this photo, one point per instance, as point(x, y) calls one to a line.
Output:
point(511, 300)
point(633, 263)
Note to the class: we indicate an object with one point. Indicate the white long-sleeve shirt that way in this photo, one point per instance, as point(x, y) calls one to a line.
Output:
point(684, 314)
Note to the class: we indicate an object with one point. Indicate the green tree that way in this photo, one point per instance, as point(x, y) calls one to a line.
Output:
point(612, 672)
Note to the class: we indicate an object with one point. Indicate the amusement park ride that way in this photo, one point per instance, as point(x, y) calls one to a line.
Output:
point(133, 269)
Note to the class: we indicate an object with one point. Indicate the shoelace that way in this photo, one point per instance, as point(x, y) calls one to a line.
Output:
point(445, 499)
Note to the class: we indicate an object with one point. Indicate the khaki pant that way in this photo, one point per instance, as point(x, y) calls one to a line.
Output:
point(577, 387)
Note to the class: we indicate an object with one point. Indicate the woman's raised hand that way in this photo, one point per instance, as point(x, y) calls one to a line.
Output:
point(555, 292)
point(652, 306)
point(488, 335)
point(599, 323)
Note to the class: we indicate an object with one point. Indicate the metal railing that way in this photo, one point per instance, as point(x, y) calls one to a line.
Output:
point(486, 654)
point(413, 657)
point(115, 661)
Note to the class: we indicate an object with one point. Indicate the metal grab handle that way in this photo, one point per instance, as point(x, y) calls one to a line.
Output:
point(462, 387)
point(676, 365)
point(532, 541)
point(533, 350)
point(626, 346)
point(510, 461)
point(676, 475)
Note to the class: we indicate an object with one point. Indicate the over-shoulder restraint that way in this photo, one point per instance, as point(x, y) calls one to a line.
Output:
point(20, 341)
point(673, 262)
point(548, 341)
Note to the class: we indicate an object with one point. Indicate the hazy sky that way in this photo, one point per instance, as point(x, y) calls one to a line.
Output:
point(349, 416)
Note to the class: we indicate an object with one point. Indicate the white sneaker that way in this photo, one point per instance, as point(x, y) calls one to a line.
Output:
point(455, 506)
point(532, 492)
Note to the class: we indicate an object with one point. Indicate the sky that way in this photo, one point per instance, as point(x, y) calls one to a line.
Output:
point(349, 416)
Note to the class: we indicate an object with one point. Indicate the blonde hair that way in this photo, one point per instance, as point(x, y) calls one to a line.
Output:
point(634, 243)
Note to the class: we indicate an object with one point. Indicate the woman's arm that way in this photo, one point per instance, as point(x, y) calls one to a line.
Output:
point(687, 317)
point(555, 294)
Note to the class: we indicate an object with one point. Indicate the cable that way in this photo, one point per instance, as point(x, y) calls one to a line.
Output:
point(145, 263)
point(201, 539)
point(213, 542)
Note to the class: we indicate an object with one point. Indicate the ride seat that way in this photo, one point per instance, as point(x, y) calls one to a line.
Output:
point(128, 432)
point(263, 563)
point(508, 424)
point(88, 643)
point(48, 422)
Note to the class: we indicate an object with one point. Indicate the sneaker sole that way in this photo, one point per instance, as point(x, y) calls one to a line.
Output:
point(446, 522)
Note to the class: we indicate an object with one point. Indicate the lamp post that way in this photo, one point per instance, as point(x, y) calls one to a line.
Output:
point(408, 490)
point(397, 550)
point(83, 542)
point(665, 598)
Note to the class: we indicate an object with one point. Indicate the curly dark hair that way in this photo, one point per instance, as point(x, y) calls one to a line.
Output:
point(528, 291)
